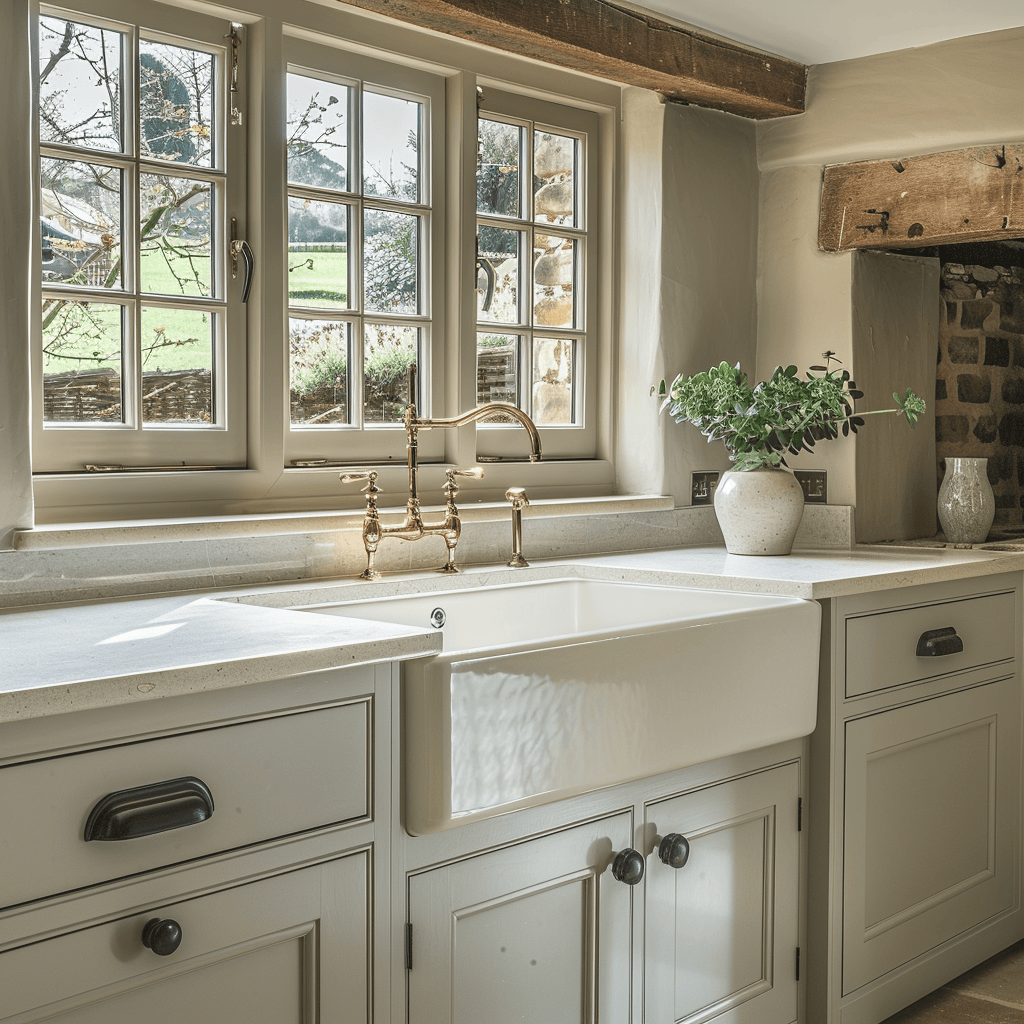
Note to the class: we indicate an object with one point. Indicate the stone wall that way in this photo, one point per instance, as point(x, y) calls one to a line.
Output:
point(979, 387)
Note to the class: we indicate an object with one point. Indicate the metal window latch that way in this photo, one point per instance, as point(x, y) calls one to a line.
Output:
point(240, 247)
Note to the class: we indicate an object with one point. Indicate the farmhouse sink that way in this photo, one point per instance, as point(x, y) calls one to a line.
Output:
point(552, 688)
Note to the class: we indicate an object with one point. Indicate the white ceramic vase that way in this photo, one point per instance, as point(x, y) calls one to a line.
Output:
point(966, 503)
point(759, 510)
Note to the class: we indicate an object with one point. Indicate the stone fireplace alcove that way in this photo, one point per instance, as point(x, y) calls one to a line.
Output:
point(979, 384)
point(951, 217)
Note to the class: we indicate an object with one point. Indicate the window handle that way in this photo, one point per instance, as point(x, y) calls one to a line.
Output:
point(240, 247)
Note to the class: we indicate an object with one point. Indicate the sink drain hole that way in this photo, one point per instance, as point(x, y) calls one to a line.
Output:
point(437, 618)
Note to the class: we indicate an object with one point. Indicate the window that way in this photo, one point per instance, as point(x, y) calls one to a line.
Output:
point(140, 354)
point(364, 145)
point(532, 264)
point(410, 201)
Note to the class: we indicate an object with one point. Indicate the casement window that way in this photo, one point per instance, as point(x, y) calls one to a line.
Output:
point(534, 273)
point(139, 356)
point(390, 227)
point(365, 155)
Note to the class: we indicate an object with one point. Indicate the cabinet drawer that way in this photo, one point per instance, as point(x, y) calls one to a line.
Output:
point(268, 778)
point(881, 649)
point(253, 953)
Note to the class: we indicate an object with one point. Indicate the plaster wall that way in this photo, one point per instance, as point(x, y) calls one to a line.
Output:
point(689, 236)
point(946, 96)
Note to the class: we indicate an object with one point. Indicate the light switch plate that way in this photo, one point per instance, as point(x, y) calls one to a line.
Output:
point(702, 488)
point(815, 485)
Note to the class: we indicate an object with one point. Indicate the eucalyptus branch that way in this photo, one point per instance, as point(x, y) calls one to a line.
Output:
point(783, 414)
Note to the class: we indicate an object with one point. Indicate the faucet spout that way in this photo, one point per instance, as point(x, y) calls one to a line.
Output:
point(505, 408)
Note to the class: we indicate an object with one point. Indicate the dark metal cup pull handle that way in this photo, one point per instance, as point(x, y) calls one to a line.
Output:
point(131, 813)
point(937, 643)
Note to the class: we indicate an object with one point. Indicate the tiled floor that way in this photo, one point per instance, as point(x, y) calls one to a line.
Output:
point(992, 993)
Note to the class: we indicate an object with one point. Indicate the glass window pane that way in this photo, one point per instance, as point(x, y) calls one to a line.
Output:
point(391, 147)
point(499, 274)
point(497, 172)
point(317, 133)
point(80, 93)
point(391, 262)
point(554, 381)
point(497, 372)
point(317, 253)
point(554, 178)
point(175, 235)
point(388, 352)
point(554, 275)
point(82, 362)
point(318, 371)
point(80, 222)
point(176, 103)
point(177, 366)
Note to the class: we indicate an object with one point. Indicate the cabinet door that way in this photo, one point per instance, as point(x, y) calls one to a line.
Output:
point(931, 825)
point(291, 949)
point(721, 931)
point(515, 934)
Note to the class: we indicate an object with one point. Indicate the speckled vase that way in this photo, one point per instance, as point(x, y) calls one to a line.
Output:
point(966, 503)
point(759, 511)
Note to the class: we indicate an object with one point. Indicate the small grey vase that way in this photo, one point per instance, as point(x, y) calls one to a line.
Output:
point(966, 503)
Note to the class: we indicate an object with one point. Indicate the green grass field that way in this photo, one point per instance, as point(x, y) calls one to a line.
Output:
point(88, 336)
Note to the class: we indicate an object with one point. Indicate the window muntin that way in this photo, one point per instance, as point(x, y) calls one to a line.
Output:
point(363, 148)
point(133, 352)
point(534, 237)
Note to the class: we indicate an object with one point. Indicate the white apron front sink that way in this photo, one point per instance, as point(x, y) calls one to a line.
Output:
point(553, 688)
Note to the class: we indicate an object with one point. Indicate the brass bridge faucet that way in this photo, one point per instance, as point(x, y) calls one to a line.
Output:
point(412, 527)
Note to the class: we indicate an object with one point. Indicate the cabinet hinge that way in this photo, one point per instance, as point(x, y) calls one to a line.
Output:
point(799, 814)
point(408, 946)
point(797, 963)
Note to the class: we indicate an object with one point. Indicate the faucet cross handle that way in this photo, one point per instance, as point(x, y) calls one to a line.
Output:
point(371, 476)
point(451, 488)
point(371, 490)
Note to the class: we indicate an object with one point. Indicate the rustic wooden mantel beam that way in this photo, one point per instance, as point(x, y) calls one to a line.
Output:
point(599, 38)
point(968, 195)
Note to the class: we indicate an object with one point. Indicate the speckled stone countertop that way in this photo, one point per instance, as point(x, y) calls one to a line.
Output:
point(55, 660)
point(807, 574)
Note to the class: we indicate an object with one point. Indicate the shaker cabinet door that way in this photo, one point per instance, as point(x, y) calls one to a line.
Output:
point(291, 949)
point(538, 931)
point(721, 931)
point(931, 825)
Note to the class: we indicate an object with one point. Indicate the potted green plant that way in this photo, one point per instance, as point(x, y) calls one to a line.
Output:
point(759, 503)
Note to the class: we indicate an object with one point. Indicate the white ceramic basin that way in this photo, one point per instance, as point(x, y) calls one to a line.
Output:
point(557, 687)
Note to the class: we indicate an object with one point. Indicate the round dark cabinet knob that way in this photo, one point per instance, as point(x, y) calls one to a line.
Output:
point(674, 850)
point(628, 867)
point(163, 936)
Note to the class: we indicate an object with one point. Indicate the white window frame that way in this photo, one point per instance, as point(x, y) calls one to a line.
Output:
point(356, 444)
point(69, 447)
point(577, 440)
point(267, 485)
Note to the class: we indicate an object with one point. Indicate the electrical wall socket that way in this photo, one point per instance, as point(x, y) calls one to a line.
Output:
point(702, 488)
point(815, 485)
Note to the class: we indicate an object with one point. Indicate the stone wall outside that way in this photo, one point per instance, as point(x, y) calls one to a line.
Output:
point(979, 386)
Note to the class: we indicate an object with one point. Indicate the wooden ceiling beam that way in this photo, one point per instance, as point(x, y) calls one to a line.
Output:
point(967, 195)
point(599, 38)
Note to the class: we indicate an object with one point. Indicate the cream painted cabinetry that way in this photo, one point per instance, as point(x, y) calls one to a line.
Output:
point(721, 931)
point(540, 929)
point(915, 814)
point(233, 869)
